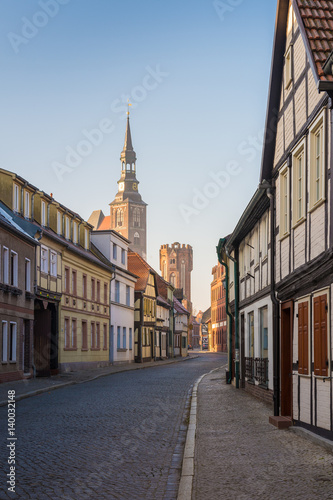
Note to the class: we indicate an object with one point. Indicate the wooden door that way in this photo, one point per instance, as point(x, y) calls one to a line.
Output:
point(42, 342)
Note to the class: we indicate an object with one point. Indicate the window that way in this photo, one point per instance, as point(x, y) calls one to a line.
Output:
point(117, 294)
point(173, 279)
point(136, 217)
point(128, 295)
point(53, 263)
point(118, 337)
point(92, 289)
point(298, 185)
point(27, 205)
point(264, 246)
point(92, 333)
point(44, 260)
point(13, 268)
point(123, 256)
point(43, 213)
point(5, 256)
point(16, 204)
point(73, 335)
point(67, 228)
point(124, 337)
point(251, 334)
point(27, 275)
point(284, 203)
point(114, 250)
point(320, 336)
point(130, 339)
point(288, 67)
point(67, 283)
point(12, 342)
point(317, 178)
point(256, 246)
point(84, 336)
point(75, 232)
point(67, 333)
point(98, 298)
point(4, 356)
point(105, 293)
point(119, 217)
point(136, 238)
point(59, 222)
point(105, 336)
point(98, 336)
point(263, 319)
point(84, 286)
point(74, 282)
point(303, 339)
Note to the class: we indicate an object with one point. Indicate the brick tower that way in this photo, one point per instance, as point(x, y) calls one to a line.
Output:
point(176, 264)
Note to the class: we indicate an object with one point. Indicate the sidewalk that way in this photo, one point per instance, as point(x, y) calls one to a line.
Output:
point(239, 455)
point(32, 387)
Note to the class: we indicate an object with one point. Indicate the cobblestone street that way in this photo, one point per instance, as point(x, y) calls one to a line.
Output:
point(113, 438)
point(240, 456)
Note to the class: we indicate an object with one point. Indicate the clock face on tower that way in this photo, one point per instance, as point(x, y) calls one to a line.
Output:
point(135, 186)
point(121, 186)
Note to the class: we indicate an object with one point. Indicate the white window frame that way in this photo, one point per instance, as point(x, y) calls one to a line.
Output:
point(4, 331)
point(123, 256)
point(14, 268)
point(75, 232)
point(53, 263)
point(12, 342)
point(298, 183)
point(67, 228)
point(27, 204)
point(117, 291)
point(86, 239)
point(44, 262)
point(5, 260)
point(43, 213)
point(128, 295)
point(284, 183)
point(16, 198)
point(317, 174)
point(114, 251)
point(27, 275)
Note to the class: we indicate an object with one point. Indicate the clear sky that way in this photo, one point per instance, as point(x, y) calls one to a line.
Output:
point(197, 73)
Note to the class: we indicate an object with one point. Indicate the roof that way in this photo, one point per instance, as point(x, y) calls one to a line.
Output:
point(96, 218)
point(315, 18)
point(163, 286)
point(105, 224)
point(179, 307)
point(138, 266)
point(24, 228)
point(206, 316)
point(161, 301)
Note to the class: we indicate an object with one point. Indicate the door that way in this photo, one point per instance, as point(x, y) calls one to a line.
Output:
point(287, 310)
point(26, 346)
point(42, 342)
point(242, 346)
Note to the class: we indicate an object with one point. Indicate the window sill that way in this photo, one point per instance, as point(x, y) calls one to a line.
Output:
point(70, 348)
point(121, 349)
point(285, 236)
point(303, 375)
point(95, 349)
point(105, 348)
point(85, 349)
point(317, 205)
point(299, 222)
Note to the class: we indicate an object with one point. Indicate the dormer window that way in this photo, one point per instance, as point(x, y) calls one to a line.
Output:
point(43, 213)
point(59, 223)
point(74, 232)
point(16, 201)
point(67, 228)
point(27, 205)
point(86, 239)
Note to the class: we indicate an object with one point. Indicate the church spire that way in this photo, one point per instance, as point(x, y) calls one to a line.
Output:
point(128, 156)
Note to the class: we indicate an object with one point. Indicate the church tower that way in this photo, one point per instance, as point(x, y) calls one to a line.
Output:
point(128, 211)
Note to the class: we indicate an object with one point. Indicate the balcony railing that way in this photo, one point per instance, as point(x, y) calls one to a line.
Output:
point(257, 369)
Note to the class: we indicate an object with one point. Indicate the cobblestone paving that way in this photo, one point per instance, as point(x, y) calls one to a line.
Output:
point(239, 455)
point(113, 438)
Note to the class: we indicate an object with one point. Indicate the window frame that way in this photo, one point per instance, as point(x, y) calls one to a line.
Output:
point(284, 184)
point(4, 341)
point(303, 335)
point(12, 342)
point(5, 264)
point(318, 125)
point(26, 204)
point(299, 153)
point(16, 198)
point(320, 347)
point(27, 274)
point(53, 263)
point(13, 268)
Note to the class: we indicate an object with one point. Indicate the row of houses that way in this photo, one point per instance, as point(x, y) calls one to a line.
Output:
point(74, 298)
point(278, 261)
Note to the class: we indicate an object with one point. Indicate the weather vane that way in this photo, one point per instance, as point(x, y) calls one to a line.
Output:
point(128, 105)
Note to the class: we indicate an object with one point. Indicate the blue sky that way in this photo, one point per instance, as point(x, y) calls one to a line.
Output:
point(197, 74)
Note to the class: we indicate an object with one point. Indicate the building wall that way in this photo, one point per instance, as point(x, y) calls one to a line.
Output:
point(218, 310)
point(172, 258)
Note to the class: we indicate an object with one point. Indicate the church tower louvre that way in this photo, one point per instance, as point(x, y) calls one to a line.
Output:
point(127, 211)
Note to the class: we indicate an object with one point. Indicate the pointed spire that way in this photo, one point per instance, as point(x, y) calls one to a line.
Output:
point(128, 138)
point(127, 155)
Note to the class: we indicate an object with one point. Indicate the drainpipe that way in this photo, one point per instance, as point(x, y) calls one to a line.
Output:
point(235, 261)
point(111, 337)
point(276, 309)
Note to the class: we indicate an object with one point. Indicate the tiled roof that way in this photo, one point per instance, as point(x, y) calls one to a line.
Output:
point(138, 266)
point(317, 17)
point(179, 307)
point(106, 223)
point(206, 316)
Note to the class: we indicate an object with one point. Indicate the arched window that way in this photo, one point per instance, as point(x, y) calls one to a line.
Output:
point(173, 279)
point(119, 217)
point(136, 239)
point(182, 275)
point(136, 217)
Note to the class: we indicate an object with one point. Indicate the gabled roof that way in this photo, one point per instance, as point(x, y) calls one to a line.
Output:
point(163, 286)
point(105, 224)
point(206, 316)
point(138, 266)
point(96, 218)
point(22, 227)
point(315, 18)
point(179, 307)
